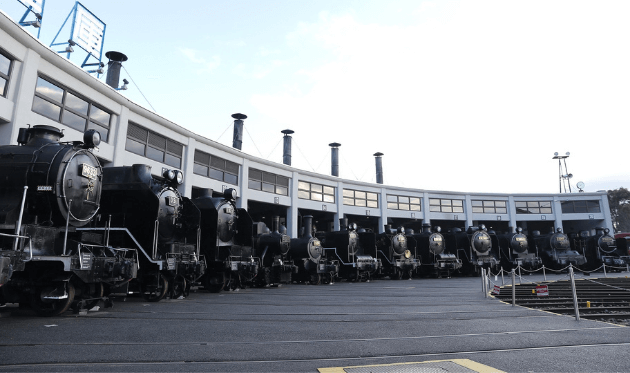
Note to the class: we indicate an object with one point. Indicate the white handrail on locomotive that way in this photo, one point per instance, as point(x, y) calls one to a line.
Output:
point(18, 226)
point(158, 262)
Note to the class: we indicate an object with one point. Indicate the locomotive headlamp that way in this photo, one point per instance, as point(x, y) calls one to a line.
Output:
point(438, 229)
point(230, 194)
point(353, 226)
point(519, 230)
point(401, 230)
point(606, 230)
point(91, 139)
point(407, 254)
point(179, 177)
point(482, 227)
point(169, 175)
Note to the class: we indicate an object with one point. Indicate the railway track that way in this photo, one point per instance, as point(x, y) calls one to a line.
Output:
point(606, 299)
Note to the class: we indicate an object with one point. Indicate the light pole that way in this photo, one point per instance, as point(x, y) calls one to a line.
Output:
point(563, 176)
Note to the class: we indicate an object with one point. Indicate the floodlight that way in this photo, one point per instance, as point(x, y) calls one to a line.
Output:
point(125, 86)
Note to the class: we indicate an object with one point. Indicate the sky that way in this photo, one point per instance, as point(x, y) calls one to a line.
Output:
point(471, 96)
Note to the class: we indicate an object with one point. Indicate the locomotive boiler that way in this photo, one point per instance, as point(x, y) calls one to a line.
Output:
point(226, 241)
point(272, 247)
point(515, 251)
point(397, 259)
point(430, 247)
point(49, 190)
point(310, 257)
point(601, 248)
point(555, 249)
point(149, 212)
point(474, 248)
point(347, 246)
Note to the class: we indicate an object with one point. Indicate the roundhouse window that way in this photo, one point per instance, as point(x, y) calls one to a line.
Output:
point(58, 103)
point(360, 198)
point(403, 203)
point(6, 65)
point(533, 207)
point(268, 182)
point(446, 205)
point(316, 192)
point(489, 207)
point(149, 144)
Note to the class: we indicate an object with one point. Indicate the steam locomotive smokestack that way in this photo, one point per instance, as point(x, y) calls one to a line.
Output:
point(286, 153)
point(113, 68)
point(334, 158)
point(379, 168)
point(275, 223)
point(307, 223)
point(426, 228)
point(237, 140)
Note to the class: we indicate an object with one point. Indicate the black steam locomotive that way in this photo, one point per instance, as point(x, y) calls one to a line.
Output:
point(226, 241)
point(49, 190)
point(431, 250)
point(515, 251)
point(396, 258)
point(474, 248)
point(555, 249)
point(354, 250)
point(272, 247)
point(150, 213)
point(600, 249)
point(311, 259)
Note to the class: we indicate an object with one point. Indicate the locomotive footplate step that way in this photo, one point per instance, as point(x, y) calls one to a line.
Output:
point(434, 366)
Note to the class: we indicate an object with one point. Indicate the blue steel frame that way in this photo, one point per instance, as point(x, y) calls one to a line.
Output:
point(29, 9)
point(73, 13)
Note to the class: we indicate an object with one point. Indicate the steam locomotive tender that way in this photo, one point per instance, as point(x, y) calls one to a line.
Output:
point(474, 248)
point(226, 241)
point(272, 247)
point(429, 245)
point(346, 246)
point(601, 249)
point(48, 191)
point(149, 212)
point(309, 255)
point(515, 251)
point(555, 249)
point(397, 260)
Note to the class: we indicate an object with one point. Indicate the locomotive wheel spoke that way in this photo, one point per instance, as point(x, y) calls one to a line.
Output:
point(52, 307)
point(179, 286)
point(152, 291)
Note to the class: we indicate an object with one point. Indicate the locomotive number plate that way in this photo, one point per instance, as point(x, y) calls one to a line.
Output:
point(227, 210)
point(44, 188)
point(88, 171)
point(559, 238)
point(437, 239)
point(172, 201)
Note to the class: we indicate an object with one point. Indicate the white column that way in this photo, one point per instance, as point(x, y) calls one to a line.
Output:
point(512, 211)
point(468, 211)
point(382, 200)
point(292, 213)
point(26, 82)
point(557, 211)
point(119, 138)
point(188, 167)
point(606, 211)
point(339, 202)
point(426, 213)
point(244, 185)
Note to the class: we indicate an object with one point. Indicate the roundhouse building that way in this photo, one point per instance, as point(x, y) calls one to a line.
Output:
point(40, 86)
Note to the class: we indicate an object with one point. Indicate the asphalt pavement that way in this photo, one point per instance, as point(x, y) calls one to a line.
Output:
point(301, 328)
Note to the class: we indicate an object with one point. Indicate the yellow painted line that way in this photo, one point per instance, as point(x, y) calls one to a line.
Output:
point(466, 363)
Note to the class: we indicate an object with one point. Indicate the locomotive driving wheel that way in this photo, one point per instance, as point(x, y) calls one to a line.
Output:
point(398, 274)
point(179, 286)
point(93, 291)
point(316, 279)
point(154, 287)
point(44, 304)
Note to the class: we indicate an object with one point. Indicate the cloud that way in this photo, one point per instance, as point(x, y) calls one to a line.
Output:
point(491, 85)
point(207, 65)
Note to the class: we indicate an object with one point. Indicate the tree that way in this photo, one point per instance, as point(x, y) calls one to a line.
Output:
point(619, 201)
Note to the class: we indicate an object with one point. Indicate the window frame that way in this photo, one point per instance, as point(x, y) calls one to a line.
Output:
point(533, 207)
point(487, 206)
point(351, 194)
point(310, 191)
point(7, 77)
point(446, 205)
point(266, 182)
point(148, 145)
point(90, 122)
point(212, 169)
point(398, 203)
point(591, 206)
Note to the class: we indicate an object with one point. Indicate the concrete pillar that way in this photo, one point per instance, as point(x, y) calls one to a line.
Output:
point(25, 81)
point(243, 185)
point(118, 137)
point(340, 207)
point(188, 164)
point(292, 213)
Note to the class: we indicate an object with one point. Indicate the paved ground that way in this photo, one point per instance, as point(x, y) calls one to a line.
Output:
point(300, 328)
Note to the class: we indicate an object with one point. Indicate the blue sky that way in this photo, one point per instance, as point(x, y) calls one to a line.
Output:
point(458, 95)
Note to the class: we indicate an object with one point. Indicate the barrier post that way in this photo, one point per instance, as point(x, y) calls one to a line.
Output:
point(483, 280)
point(544, 273)
point(627, 268)
point(502, 279)
point(513, 288)
point(575, 300)
point(604, 265)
